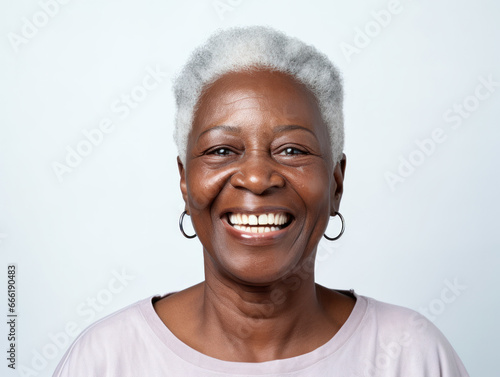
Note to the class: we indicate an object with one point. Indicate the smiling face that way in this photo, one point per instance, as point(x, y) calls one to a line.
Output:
point(259, 182)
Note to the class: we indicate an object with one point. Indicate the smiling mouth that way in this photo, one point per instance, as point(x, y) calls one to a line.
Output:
point(259, 223)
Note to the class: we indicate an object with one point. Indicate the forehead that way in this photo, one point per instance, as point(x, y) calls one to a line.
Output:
point(257, 95)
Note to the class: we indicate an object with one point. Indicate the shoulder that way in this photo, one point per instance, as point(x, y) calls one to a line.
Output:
point(121, 322)
point(403, 337)
point(97, 345)
point(394, 319)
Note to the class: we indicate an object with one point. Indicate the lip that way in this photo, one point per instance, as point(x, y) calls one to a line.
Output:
point(257, 238)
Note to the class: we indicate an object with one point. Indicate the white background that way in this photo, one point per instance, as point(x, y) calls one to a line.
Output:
point(117, 211)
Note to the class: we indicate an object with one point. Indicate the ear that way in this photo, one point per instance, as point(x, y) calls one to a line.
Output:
point(183, 185)
point(338, 188)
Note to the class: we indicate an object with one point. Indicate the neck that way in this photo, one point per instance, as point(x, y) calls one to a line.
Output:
point(260, 323)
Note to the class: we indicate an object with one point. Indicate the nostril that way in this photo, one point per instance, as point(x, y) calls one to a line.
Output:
point(257, 176)
point(237, 179)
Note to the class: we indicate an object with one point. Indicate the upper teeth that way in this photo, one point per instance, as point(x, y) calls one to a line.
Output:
point(263, 219)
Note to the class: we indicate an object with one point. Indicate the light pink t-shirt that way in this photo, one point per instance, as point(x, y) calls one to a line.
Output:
point(378, 339)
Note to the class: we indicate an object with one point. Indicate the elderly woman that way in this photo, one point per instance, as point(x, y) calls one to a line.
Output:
point(260, 136)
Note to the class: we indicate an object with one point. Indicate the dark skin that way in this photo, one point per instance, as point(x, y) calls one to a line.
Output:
point(258, 145)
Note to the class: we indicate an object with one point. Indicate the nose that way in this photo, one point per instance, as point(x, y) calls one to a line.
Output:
point(257, 173)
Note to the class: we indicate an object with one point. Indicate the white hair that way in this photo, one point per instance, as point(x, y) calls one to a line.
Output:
point(243, 48)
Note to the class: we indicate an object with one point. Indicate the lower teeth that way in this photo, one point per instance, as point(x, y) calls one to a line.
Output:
point(257, 229)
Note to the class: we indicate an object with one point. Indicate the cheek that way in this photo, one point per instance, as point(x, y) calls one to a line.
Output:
point(315, 193)
point(313, 185)
point(203, 185)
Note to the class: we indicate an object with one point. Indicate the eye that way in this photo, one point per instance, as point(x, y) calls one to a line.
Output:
point(221, 151)
point(291, 151)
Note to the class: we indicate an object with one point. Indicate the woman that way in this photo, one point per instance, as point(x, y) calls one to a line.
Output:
point(260, 137)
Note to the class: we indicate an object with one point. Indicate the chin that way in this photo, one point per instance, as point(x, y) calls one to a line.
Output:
point(259, 270)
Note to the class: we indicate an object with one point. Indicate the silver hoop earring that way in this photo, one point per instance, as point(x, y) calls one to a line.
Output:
point(341, 231)
point(181, 220)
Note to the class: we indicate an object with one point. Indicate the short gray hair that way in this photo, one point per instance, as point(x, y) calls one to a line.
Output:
point(241, 48)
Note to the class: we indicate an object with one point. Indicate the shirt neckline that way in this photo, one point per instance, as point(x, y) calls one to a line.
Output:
point(205, 362)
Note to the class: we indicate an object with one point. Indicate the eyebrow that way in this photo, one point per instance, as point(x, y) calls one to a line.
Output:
point(223, 127)
point(276, 130)
point(291, 127)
